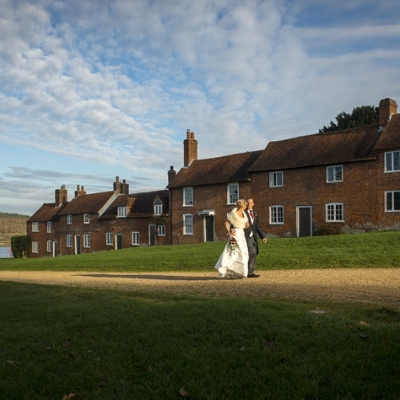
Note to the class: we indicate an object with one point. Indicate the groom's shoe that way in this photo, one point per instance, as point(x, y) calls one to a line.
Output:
point(253, 276)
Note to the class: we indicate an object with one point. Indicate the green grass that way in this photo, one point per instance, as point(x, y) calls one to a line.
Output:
point(104, 344)
point(108, 344)
point(369, 250)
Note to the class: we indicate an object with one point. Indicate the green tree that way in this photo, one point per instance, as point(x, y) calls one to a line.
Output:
point(20, 246)
point(361, 116)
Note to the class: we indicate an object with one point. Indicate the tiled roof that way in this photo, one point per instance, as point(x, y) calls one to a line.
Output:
point(390, 137)
point(319, 149)
point(232, 168)
point(86, 203)
point(47, 212)
point(138, 204)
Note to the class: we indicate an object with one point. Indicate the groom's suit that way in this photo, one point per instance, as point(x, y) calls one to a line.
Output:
point(251, 237)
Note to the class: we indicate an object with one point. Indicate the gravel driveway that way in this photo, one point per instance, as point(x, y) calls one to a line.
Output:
point(380, 286)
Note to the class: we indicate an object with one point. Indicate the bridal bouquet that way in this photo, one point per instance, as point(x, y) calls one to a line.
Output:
point(233, 244)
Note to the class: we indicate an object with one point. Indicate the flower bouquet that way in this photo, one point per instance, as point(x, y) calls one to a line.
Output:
point(232, 245)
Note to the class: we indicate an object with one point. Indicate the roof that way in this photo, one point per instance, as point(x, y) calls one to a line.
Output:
point(348, 145)
point(231, 168)
point(390, 137)
point(47, 212)
point(138, 204)
point(87, 203)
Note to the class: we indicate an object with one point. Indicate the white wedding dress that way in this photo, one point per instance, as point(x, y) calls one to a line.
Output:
point(236, 260)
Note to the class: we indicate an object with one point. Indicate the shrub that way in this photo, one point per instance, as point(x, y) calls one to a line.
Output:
point(20, 246)
point(326, 228)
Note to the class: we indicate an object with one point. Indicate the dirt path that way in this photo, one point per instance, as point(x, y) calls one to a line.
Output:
point(380, 286)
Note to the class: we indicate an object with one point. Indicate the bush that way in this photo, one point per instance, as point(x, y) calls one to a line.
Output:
point(20, 246)
point(326, 228)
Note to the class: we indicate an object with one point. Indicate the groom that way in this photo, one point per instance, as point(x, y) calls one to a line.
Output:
point(251, 237)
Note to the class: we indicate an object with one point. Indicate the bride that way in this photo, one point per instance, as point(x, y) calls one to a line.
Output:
point(233, 262)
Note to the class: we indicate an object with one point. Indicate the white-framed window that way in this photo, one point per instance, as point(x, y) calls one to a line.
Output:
point(276, 179)
point(49, 230)
point(69, 219)
point(392, 161)
point(86, 240)
point(188, 196)
point(109, 239)
point(69, 240)
point(49, 246)
point(334, 212)
point(121, 212)
point(334, 173)
point(392, 201)
point(135, 238)
point(35, 226)
point(86, 218)
point(187, 224)
point(232, 193)
point(35, 247)
point(158, 207)
point(276, 215)
point(161, 230)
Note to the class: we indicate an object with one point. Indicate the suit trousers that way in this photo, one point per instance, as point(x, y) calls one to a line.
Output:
point(252, 246)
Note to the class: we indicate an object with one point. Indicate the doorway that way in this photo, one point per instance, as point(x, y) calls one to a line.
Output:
point(304, 221)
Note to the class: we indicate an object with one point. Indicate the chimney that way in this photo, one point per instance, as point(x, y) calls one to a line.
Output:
point(61, 196)
point(117, 185)
point(387, 107)
point(189, 148)
point(79, 191)
point(125, 187)
point(171, 174)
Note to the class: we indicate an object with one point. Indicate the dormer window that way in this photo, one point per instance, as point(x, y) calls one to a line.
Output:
point(158, 207)
point(122, 212)
point(86, 218)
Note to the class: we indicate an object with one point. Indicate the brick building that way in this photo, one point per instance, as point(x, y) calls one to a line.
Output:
point(99, 222)
point(346, 180)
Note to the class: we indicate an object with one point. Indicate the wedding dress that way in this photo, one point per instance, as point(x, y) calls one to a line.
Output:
point(234, 259)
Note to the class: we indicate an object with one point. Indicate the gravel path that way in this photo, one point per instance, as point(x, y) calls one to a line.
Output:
point(380, 286)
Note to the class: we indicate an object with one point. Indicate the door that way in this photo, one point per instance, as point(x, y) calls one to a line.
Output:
point(209, 226)
point(119, 241)
point(77, 244)
point(304, 221)
point(152, 235)
point(55, 249)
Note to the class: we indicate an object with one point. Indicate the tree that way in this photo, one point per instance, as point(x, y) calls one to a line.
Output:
point(20, 246)
point(361, 116)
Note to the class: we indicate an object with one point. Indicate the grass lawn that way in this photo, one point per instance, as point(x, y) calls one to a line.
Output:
point(104, 344)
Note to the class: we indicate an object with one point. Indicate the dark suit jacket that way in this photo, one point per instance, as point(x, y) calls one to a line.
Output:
point(254, 227)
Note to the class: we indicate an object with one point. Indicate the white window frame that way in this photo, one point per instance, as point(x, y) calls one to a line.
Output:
point(35, 247)
point(274, 178)
point(49, 246)
point(161, 230)
point(122, 212)
point(331, 212)
point(391, 195)
point(232, 193)
point(332, 173)
point(157, 209)
point(35, 226)
point(49, 227)
point(188, 224)
point(109, 239)
point(276, 215)
point(69, 241)
point(188, 197)
point(135, 238)
point(86, 240)
point(86, 218)
point(69, 219)
point(391, 166)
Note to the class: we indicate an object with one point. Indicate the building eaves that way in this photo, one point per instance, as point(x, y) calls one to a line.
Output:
point(47, 212)
point(87, 203)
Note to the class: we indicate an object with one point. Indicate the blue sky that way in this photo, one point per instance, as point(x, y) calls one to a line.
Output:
point(95, 89)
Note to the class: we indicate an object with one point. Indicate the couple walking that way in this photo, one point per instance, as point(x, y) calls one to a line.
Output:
point(239, 256)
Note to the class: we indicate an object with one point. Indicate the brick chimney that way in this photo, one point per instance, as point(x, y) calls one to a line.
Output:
point(79, 191)
point(121, 187)
point(125, 187)
point(387, 107)
point(171, 174)
point(61, 196)
point(189, 148)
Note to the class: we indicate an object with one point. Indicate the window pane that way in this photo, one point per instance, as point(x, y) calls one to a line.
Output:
point(396, 163)
point(396, 201)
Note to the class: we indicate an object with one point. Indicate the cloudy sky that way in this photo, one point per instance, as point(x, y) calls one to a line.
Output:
point(92, 89)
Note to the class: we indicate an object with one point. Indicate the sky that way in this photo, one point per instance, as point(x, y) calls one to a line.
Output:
point(94, 89)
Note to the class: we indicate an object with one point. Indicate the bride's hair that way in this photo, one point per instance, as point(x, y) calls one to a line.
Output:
point(241, 203)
